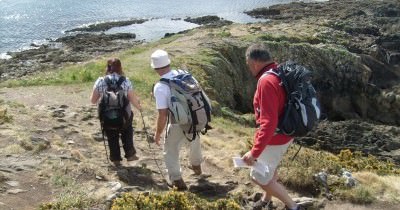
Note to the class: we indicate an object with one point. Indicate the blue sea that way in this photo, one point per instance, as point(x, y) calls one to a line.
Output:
point(23, 22)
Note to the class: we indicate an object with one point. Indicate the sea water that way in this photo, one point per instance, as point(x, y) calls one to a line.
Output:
point(27, 22)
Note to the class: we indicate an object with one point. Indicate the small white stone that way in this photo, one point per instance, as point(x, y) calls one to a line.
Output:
point(70, 142)
point(16, 191)
point(13, 183)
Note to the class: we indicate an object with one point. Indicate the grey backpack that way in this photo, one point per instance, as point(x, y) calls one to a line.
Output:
point(189, 105)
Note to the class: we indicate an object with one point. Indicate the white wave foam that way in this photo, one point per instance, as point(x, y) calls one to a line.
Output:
point(5, 55)
point(15, 16)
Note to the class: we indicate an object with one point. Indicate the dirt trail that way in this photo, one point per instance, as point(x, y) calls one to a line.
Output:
point(62, 118)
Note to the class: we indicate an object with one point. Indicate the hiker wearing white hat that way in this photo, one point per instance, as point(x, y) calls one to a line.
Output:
point(175, 136)
point(159, 59)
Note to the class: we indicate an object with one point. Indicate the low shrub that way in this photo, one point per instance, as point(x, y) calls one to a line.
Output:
point(170, 200)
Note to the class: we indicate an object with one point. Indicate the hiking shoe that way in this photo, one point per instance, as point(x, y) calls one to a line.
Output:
point(179, 184)
point(132, 158)
point(261, 204)
point(117, 163)
point(299, 207)
point(196, 169)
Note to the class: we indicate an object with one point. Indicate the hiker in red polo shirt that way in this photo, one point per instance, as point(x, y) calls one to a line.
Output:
point(268, 147)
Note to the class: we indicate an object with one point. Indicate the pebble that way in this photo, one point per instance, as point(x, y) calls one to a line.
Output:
point(132, 188)
point(70, 142)
point(13, 183)
point(16, 191)
point(115, 186)
point(304, 201)
point(111, 197)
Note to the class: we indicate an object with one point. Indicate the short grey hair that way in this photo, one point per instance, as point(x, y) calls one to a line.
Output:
point(258, 52)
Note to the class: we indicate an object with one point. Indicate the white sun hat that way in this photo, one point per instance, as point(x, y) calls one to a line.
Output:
point(159, 59)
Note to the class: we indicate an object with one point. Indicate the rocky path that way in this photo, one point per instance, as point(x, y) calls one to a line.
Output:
point(54, 134)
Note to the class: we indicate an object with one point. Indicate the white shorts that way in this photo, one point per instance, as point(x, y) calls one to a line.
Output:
point(271, 156)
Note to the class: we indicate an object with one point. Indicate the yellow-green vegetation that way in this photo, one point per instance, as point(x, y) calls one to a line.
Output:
point(4, 116)
point(170, 200)
point(356, 161)
point(72, 197)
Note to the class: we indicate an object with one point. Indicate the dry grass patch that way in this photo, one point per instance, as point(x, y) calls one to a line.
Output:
point(72, 197)
point(385, 188)
point(299, 175)
point(12, 149)
point(4, 116)
point(74, 181)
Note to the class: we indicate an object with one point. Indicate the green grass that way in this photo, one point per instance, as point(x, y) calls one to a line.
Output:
point(291, 39)
point(80, 73)
point(134, 61)
point(61, 180)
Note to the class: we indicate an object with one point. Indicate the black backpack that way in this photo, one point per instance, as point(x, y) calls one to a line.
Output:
point(302, 109)
point(112, 106)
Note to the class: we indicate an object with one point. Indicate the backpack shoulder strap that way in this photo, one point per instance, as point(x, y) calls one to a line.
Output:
point(120, 81)
point(164, 81)
point(108, 81)
point(271, 71)
point(282, 76)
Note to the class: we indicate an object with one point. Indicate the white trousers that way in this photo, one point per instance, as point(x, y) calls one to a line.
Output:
point(172, 145)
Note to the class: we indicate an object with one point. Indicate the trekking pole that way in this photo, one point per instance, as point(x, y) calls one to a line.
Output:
point(105, 146)
point(294, 156)
point(148, 138)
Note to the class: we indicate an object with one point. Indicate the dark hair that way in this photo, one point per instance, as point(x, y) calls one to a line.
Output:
point(258, 52)
point(114, 65)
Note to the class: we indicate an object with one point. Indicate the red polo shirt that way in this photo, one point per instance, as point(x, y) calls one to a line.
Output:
point(269, 103)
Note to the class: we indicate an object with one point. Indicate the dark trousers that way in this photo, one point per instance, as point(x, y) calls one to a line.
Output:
point(127, 142)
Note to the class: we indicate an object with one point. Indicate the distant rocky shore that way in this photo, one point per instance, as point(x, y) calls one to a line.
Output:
point(82, 44)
